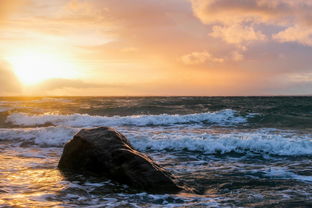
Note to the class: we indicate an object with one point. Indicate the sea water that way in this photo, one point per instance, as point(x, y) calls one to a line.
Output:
point(235, 151)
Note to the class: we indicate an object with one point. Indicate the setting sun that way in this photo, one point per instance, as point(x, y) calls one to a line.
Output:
point(150, 103)
point(34, 67)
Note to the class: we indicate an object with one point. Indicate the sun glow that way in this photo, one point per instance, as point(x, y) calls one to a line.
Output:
point(34, 67)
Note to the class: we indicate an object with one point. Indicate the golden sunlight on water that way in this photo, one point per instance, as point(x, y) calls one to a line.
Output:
point(28, 181)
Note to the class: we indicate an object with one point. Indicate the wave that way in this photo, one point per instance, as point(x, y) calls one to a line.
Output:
point(224, 118)
point(260, 141)
point(254, 142)
point(47, 136)
point(285, 173)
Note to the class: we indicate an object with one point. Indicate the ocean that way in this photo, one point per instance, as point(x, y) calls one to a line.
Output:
point(235, 151)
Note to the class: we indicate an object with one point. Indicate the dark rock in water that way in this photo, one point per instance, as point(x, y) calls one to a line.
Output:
point(105, 152)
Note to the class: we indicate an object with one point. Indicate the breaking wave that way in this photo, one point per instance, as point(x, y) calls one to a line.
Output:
point(49, 136)
point(260, 141)
point(224, 118)
point(253, 142)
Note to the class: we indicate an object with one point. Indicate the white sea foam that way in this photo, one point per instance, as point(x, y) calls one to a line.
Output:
point(50, 136)
point(251, 142)
point(164, 140)
point(242, 142)
point(278, 172)
point(224, 117)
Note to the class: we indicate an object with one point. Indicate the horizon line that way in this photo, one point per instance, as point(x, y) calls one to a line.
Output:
point(12, 96)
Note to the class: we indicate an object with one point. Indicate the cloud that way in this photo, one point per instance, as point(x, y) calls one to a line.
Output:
point(195, 58)
point(71, 87)
point(238, 46)
point(292, 84)
point(298, 34)
point(236, 34)
point(301, 77)
point(9, 84)
point(237, 56)
point(53, 84)
point(236, 21)
point(261, 11)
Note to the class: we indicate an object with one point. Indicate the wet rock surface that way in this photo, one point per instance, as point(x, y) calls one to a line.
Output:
point(105, 152)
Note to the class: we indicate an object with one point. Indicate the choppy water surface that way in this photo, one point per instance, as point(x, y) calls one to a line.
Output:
point(236, 151)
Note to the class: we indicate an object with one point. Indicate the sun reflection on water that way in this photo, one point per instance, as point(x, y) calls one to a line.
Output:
point(28, 181)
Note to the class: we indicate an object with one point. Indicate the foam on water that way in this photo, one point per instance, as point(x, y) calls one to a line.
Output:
point(260, 141)
point(224, 117)
point(241, 142)
point(50, 136)
point(278, 172)
point(234, 161)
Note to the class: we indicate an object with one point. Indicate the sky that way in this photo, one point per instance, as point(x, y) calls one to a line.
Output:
point(155, 47)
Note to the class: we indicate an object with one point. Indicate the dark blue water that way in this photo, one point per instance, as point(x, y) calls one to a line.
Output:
point(236, 151)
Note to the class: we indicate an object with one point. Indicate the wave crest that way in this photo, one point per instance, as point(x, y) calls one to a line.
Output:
point(254, 142)
point(224, 118)
point(261, 141)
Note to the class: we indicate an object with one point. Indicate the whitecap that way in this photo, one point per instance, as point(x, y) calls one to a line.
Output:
point(50, 136)
point(161, 139)
point(285, 173)
point(260, 141)
point(224, 118)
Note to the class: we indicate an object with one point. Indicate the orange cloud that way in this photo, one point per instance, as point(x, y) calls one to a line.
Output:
point(174, 47)
point(195, 58)
point(239, 19)
point(262, 11)
point(300, 34)
point(236, 34)
point(237, 56)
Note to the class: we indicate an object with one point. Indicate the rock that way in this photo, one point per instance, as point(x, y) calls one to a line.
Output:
point(105, 152)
